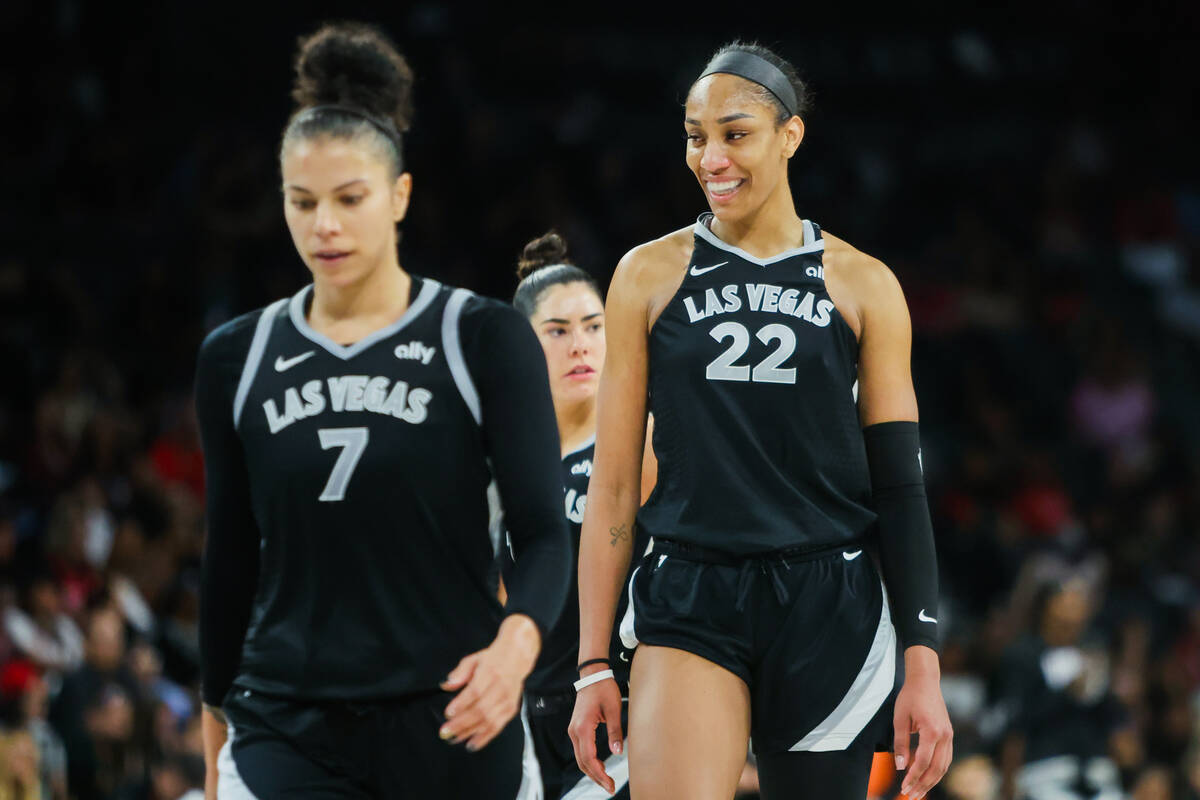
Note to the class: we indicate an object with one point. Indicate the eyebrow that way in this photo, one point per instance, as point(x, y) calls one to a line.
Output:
point(336, 188)
point(558, 321)
point(722, 120)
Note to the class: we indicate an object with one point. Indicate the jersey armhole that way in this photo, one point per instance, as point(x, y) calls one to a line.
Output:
point(258, 345)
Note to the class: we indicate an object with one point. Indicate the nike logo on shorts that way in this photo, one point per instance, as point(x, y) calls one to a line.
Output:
point(698, 271)
point(852, 556)
point(284, 364)
point(925, 617)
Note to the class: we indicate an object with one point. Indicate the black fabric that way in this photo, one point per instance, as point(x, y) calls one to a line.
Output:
point(548, 722)
point(285, 749)
point(835, 775)
point(230, 566)
point(798, 632)
point(521, 433)
point(907, 554)
point(379, 593)
point(557, 666)
point(759, 448)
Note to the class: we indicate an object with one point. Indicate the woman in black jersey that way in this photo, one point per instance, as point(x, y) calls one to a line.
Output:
point(563, 304)
point(350, 632)
point(775, 360)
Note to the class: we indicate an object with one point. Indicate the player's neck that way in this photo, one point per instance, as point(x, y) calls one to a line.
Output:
point(357, 309)
point(576, 424)
point(773, 228)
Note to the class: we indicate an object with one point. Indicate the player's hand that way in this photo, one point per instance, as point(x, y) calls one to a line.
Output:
point(600, 702)
point(920, 709)
point(491, 681)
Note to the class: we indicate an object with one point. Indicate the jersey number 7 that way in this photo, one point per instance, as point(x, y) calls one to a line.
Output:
point(353, 442)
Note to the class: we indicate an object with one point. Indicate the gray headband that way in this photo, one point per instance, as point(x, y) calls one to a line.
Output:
point(757, 70)
point(386, 127)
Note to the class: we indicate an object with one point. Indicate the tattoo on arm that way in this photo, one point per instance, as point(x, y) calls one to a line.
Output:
point(619, 534)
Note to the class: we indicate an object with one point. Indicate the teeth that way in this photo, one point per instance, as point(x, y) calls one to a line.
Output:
point(723, 186)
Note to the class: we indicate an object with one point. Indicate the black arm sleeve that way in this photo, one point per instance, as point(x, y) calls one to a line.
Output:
point(230, 567)
point(509, 370)
point(906, 550)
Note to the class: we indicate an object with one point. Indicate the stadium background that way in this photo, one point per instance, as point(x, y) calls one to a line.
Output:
point(1030, 173)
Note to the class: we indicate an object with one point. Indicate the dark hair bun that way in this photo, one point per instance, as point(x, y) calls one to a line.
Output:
point(547, 249)
point(349, 63)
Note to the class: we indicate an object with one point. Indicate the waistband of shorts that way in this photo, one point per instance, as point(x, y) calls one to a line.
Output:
point(787, 555)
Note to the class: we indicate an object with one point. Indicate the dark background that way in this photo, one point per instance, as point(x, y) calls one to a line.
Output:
point(1029, 172)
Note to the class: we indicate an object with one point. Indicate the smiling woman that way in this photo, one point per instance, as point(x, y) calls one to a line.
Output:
point(350, 629)
point(775, 359)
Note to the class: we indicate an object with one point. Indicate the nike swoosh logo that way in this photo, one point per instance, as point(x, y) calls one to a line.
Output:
point(697, 271)
point(925, 617)
point(852, 556)
point(624, 657)
point(284, 364)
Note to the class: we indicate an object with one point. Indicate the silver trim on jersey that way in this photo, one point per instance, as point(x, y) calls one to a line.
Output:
point(452, 347)
point(258, 346)
point(811, 243)
point(862, 700)
point(429, 290)
point(591, 440)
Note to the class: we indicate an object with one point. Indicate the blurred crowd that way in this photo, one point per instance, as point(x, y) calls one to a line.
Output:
point(1049, 250)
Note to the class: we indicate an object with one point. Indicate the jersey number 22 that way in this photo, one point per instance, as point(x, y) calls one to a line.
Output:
point(722, 367)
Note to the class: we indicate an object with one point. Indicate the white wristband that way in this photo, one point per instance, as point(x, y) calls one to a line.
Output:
point(596, 677)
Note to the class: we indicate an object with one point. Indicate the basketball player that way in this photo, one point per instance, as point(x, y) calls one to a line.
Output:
point(351, 431)
point(775, 359)
point(564, 306)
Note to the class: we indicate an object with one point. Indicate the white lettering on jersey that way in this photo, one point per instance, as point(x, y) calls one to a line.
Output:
point(575, 505)
point(416, 351)
point(582, 468)
point(378, 395)
point(762, 297)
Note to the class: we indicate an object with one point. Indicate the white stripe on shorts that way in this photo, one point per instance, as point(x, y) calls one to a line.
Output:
point(870, 688)
point(230, 785)
point(531, 773)
point(628, 635)
point(617, 767)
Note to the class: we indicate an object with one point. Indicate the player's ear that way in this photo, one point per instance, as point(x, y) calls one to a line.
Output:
point(401, 194)
point(793, 135)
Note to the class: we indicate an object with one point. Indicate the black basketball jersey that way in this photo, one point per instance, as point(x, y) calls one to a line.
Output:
point(753, 384)
point(556, 667)
point(368, 480)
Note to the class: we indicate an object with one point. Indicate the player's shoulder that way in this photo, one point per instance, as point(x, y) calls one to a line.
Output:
point(658, 258)
point(479, 311)
point(233, 338)
point(484, 322)
point(867, 275)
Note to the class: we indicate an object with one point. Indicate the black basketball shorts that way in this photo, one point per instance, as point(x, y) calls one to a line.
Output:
point(809, 632)
point(280, 748)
